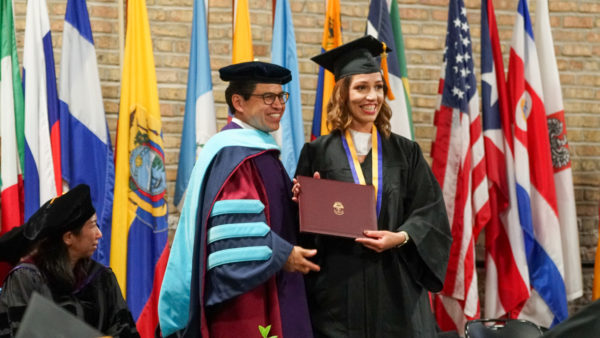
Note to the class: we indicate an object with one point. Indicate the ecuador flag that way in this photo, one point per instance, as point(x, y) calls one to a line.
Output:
point(139, 230)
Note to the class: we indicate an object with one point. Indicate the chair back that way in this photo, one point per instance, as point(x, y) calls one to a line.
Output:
point(501, 328)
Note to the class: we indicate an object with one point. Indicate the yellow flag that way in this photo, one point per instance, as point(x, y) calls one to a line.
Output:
point(139, 230)
point(332, 37)
point(242, 34)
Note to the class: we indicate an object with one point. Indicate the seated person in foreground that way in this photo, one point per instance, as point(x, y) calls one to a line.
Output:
point(53, 250)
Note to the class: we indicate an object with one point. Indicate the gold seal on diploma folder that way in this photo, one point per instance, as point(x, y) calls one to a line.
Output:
point(336, 208)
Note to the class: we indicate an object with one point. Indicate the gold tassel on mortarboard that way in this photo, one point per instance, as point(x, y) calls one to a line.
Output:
point(386, 77)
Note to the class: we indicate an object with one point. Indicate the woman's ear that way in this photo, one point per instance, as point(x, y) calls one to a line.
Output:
point(68, 238)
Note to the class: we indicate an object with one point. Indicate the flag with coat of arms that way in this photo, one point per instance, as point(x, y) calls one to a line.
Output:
point(139, 231)
point(534, 179)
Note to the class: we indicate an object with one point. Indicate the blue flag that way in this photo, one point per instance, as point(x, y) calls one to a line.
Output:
point(199, 121)
point(283, 52)
point(86, 155)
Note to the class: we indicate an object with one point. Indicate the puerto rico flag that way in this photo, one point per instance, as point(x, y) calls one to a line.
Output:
point(507, 276)
point(538, 211)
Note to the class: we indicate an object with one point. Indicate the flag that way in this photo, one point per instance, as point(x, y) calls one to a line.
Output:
point(148, 320)
point(87, 155)
point(538, 212)
point(290, 135)
point(332, 37)
point(242, 34)
point(199, 120)
point(42, 132)
point(596, 286)
point(561, 161)
point(139, 230)
point(459, 166)
point(383, 23)
point(242, 50)
point(12, 138)
point(507, 280)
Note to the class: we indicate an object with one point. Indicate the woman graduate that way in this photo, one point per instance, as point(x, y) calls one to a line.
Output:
point(375, 286)
point(57, 242)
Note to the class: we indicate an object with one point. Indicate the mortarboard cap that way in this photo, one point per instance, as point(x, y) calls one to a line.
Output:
point(256, 71)
point(43, 318)
point(57, 216)
point(355, 57)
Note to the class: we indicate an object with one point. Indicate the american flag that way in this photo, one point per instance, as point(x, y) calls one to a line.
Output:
point(507, 281)
point(459, 166)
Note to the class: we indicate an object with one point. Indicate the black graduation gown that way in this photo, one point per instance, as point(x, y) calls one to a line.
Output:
point(97, 301)
point(362, 293)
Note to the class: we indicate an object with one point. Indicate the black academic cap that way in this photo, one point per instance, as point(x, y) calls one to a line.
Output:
point(355, 57)
point(256, 71)
point(57, 216)
point(44, 318)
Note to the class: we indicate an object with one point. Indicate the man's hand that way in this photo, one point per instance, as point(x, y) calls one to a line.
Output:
point(381, 240)
point(296, 187)
point(297, 260)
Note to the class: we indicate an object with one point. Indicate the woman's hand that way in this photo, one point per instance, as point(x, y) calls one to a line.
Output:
point(296, 187)
point(381, 240)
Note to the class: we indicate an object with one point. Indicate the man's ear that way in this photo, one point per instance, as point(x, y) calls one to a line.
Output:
point(237, 101)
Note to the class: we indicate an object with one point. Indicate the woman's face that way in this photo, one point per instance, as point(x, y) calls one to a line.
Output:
point(365, 100)
point(84, 244)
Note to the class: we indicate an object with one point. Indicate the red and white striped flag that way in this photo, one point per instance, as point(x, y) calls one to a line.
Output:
point(459, 166)
point(507, 279)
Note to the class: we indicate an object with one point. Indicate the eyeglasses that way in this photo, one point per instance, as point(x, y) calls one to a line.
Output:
point(269, 98)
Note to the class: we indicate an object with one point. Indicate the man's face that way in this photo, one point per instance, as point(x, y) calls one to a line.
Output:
point(256, 112)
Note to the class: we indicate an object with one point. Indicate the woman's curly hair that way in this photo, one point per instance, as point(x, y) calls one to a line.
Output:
point(339, 116)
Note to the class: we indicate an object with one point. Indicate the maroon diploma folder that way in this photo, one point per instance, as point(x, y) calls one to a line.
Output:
point(336, 208)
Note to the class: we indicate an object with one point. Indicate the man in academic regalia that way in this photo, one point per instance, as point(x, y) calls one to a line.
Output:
point(233, 265)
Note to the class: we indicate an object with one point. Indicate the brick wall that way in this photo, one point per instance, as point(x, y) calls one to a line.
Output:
point(576, 30)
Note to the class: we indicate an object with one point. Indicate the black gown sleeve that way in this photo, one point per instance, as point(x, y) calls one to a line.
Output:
point(304, 162)
point(121, 322)
point(16, 291)
point(426, 222)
